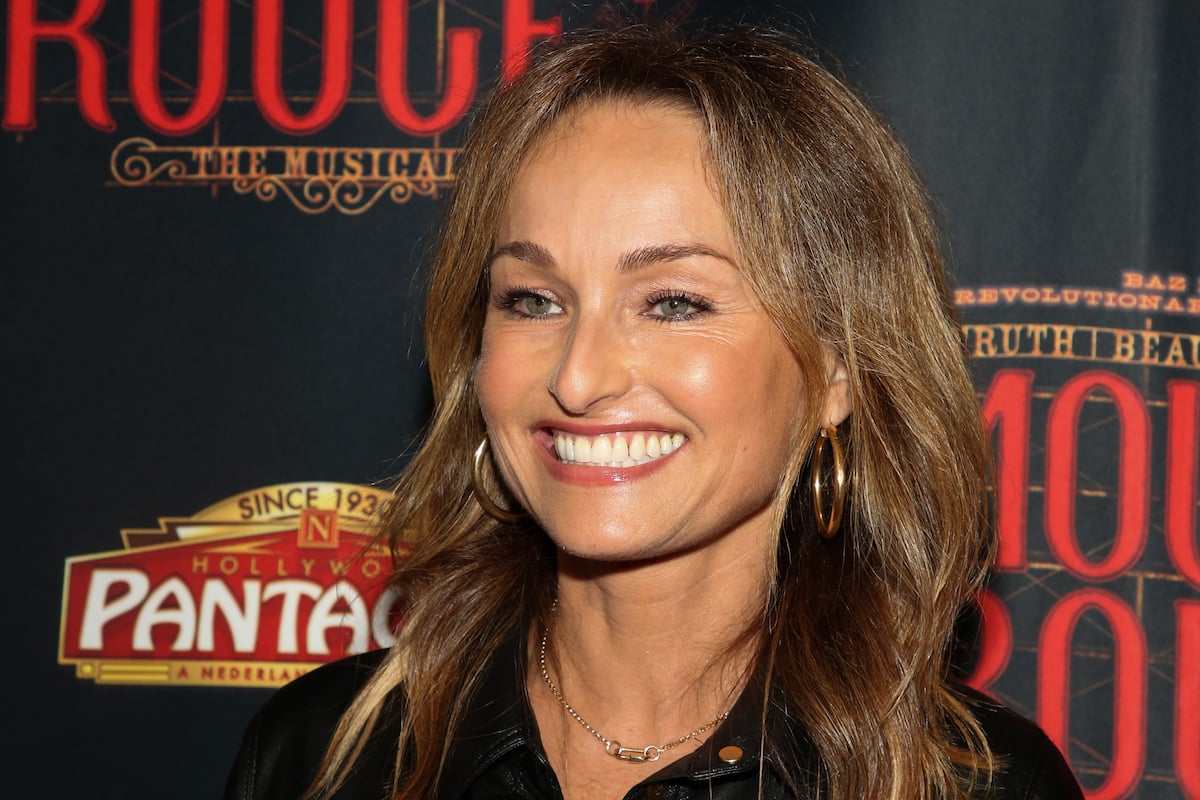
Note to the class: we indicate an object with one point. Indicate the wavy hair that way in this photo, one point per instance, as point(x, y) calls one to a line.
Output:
point(835, 237)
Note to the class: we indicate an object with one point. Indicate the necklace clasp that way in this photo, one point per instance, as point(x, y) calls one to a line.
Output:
point(633, 754)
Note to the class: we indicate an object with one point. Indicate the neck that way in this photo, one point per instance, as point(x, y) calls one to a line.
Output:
point(648, 652)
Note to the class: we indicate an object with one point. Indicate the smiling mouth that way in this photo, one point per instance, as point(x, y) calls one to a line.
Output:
point(618, 450)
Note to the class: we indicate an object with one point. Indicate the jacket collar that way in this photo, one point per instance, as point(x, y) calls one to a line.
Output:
point(497, 721)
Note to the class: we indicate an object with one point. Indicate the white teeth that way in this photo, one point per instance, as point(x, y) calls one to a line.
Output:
point(618, 450)
point(637, 447)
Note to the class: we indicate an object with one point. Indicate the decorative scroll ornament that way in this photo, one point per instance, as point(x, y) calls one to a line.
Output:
point(315, 179)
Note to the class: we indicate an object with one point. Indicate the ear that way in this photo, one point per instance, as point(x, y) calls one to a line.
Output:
point(838, 403)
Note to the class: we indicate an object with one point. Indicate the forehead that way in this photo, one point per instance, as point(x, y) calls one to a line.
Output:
point(621, 127)
point(622, 163)
point(630, 113)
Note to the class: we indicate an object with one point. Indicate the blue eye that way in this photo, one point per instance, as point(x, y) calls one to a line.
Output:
point(536, 306)
point(526, 303)
point(675, 307)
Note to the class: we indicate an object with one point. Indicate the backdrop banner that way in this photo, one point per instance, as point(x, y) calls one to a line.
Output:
point(218, 223)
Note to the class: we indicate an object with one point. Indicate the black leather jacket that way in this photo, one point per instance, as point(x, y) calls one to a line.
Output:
point(497, 753)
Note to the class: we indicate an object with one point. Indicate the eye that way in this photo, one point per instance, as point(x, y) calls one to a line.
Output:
point(535, 305)
point(670, 306)
point(523, 302)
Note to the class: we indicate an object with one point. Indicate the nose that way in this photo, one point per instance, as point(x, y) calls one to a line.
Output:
point(596, 366)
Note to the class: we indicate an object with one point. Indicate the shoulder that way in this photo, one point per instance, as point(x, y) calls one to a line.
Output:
point(287, 738)
point(1031, 766)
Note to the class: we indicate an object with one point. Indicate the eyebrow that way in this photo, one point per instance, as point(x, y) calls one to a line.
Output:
point(631, 261)
point(657, 253)
point(525, 251)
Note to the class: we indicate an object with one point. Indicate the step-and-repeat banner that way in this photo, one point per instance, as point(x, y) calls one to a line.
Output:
point(217, 216)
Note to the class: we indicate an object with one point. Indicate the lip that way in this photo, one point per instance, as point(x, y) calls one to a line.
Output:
point(596, 429)
point(579, 475)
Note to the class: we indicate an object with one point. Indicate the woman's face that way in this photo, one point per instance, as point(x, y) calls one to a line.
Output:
point(639, 401)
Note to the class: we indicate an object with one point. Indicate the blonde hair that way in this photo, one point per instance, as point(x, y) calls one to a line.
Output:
point(835, 236)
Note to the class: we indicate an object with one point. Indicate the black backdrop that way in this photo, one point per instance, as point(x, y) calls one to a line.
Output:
point(181, 342)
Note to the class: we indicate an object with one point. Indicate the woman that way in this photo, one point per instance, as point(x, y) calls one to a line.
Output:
point(727, 492)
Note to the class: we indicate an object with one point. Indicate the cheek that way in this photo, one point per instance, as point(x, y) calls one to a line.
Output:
point(728, 376)
point(751, 397)
point(493, 380)
point(695, 373)
point(512, 373)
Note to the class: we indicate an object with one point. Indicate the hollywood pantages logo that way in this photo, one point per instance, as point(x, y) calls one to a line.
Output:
point(254, 590)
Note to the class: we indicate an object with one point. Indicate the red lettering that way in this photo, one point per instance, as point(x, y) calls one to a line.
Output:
point(1006, 413)
point(1129, 684)
point(518, 33)
point(267, 79)
point(25, 30)
point(1183, 454)
point(391, 73)
point(1187, 697)
point(211, 72)
point(1133, 475)
point(995, 641)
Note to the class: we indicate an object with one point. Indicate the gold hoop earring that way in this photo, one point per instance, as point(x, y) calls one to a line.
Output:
point(489, 506)
point(828, 525)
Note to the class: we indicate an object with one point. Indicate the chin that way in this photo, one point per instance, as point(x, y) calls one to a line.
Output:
point(610, 548)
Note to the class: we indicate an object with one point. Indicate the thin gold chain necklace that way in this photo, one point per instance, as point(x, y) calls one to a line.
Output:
point(636, 755)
